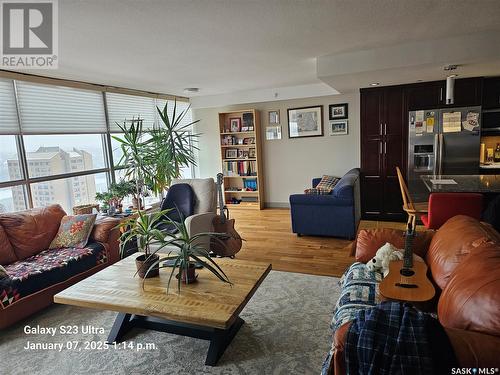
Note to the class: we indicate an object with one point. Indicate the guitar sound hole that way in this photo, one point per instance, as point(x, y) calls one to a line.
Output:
point(407, 272)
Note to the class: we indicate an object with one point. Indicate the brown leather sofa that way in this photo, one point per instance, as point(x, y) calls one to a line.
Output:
point(24, 236)
point(463, 257)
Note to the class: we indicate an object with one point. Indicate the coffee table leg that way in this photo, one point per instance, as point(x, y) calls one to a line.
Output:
point(120, 327)
point(220, 341)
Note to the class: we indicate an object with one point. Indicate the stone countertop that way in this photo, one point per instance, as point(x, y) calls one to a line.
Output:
point(463, 183)
point(490, 166)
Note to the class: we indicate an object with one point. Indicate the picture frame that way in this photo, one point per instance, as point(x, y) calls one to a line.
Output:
point(243, 154)
point(231, 153)
point(244, 128)
point(235, 124)
point(251, 153)
point(273, 117)
point(273, 132)
point(249, 141)
point(338, 111)
point(239, 141)
point(305, 122)
point(339, 127)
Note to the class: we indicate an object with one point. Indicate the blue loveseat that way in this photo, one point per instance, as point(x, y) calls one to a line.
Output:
point(335, 215)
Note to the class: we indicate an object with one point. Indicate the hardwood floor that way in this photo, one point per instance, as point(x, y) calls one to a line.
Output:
point(269, 238)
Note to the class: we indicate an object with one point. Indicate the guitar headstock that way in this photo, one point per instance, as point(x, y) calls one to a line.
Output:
point(220, 176)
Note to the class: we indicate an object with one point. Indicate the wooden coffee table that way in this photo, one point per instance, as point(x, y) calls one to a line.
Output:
point(207, 309)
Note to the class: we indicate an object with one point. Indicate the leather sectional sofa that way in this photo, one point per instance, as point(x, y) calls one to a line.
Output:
point(463, 257)
point(36, 274)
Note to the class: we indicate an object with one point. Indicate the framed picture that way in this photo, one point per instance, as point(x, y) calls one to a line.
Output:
point(247, 119)
point(338, 127)
point(251, 153)
point(337, 111)
point(239, 141)
point(243, 154)
point(235, 124)
point(305, 122)
point(273, 132)
point(231, 153)
point(274, 117)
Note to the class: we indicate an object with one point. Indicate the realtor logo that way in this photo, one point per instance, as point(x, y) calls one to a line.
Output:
point(29, 34)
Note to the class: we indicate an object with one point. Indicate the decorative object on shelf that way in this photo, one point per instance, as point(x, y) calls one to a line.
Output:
point(239, 141)
point(273, 132)
point(338, 111)
point(228, 140)
point(244, 128)
point(273, 117)
point(251, 153)
point(235, 124)
point(250, 184)
point(305, 122)
point(249, 141)
point(243, 154)
point(338, 127)
point(231, 153)
point(248, 120)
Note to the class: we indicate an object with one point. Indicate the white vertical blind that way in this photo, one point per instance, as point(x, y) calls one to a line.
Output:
point(8, 112)
point(48, 109)
point(181, 106)
point(127, 107)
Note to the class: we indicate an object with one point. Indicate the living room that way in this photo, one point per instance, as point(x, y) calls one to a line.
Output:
point(250, 187)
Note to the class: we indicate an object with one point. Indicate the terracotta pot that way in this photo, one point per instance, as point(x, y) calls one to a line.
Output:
point(143, 266)
point(191, 274)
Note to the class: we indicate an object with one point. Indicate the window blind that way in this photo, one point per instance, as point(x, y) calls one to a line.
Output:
point(47, 109)
point(123, 107)
point(181, 106)
point(8, 112)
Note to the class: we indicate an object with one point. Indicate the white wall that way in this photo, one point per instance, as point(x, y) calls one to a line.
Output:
point(289, 164)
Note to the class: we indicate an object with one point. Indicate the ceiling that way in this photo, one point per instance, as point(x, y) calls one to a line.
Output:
point(231, 46)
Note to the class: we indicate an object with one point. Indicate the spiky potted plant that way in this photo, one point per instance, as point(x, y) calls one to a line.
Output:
point(184, 252)
point(143, 229)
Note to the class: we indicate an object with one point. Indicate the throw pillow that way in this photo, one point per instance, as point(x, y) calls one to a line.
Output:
point(74, 231)
point(316, 191)
point(327, 183)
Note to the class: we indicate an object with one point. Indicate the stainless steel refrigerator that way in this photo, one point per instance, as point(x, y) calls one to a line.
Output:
point(442, 141)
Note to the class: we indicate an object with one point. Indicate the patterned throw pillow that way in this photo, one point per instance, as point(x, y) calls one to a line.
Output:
point(316, 191)
point(74, 231)
point(327, 183)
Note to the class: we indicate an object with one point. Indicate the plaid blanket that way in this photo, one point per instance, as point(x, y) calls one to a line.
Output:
point(395, 338)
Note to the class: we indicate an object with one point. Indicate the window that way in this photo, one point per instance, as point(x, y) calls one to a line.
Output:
point(69, 192)
point(60, 154)
point(62, 131)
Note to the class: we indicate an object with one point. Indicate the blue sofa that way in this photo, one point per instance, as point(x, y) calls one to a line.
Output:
point(334, 215)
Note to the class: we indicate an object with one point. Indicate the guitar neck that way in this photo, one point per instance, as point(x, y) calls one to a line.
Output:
point(221, 197)
point(408, 253)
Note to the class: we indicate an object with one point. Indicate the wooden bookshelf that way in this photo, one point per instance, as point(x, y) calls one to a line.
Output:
point(245, 163)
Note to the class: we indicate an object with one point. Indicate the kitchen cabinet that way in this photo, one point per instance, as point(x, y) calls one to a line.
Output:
point(491, 93)
point(425, 95)
point(468, 92)
point(382, 138)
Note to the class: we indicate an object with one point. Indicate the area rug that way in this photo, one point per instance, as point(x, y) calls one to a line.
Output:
point(286, 331)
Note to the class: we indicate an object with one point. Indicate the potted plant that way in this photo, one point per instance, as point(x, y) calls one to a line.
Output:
point(144, 230)
point(186, 253)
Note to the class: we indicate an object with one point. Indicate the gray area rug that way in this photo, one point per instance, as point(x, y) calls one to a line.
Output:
point(286, 331)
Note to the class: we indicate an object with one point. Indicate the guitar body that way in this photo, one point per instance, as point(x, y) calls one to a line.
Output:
point(414, 288)
point(232, 244)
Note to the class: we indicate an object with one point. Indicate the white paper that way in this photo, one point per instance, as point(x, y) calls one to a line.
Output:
point(452, 122)
point(443, 182)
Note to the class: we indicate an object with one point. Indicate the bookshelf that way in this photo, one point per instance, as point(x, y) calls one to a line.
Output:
point(241, 154)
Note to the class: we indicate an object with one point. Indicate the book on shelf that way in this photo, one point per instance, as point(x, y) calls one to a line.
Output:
point(240, 168)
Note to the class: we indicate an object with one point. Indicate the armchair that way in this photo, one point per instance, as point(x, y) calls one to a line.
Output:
point(336, 214)
point(204, 208)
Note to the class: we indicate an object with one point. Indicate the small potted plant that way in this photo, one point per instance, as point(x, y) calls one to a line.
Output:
point(186, 253)
point(144, 230)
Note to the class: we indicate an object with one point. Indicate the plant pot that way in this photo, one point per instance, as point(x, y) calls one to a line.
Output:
point(189, 276)
point(143, 266)
point(137, 203)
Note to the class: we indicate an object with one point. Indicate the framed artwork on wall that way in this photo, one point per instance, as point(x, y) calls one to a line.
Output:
point(338, 111)
point(338, 127)
point(273, 132)
point(274, 117)
point(305, 122)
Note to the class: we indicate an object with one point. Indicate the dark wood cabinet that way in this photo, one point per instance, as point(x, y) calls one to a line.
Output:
point(491, 93)
point(382, 138)
point(425, 95)
point(467, 92)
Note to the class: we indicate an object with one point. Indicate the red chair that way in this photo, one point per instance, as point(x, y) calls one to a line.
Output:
point(443, 206)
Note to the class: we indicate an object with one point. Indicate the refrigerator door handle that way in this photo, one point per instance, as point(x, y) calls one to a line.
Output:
point(380, 133)
point(436, 153)
point(441, 141)
point(385, 128)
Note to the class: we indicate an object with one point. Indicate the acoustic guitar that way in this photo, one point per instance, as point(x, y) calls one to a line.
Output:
point(228, 245)
point(407, 280)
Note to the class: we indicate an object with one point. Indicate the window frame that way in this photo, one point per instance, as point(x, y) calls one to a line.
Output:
point(26, 181)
